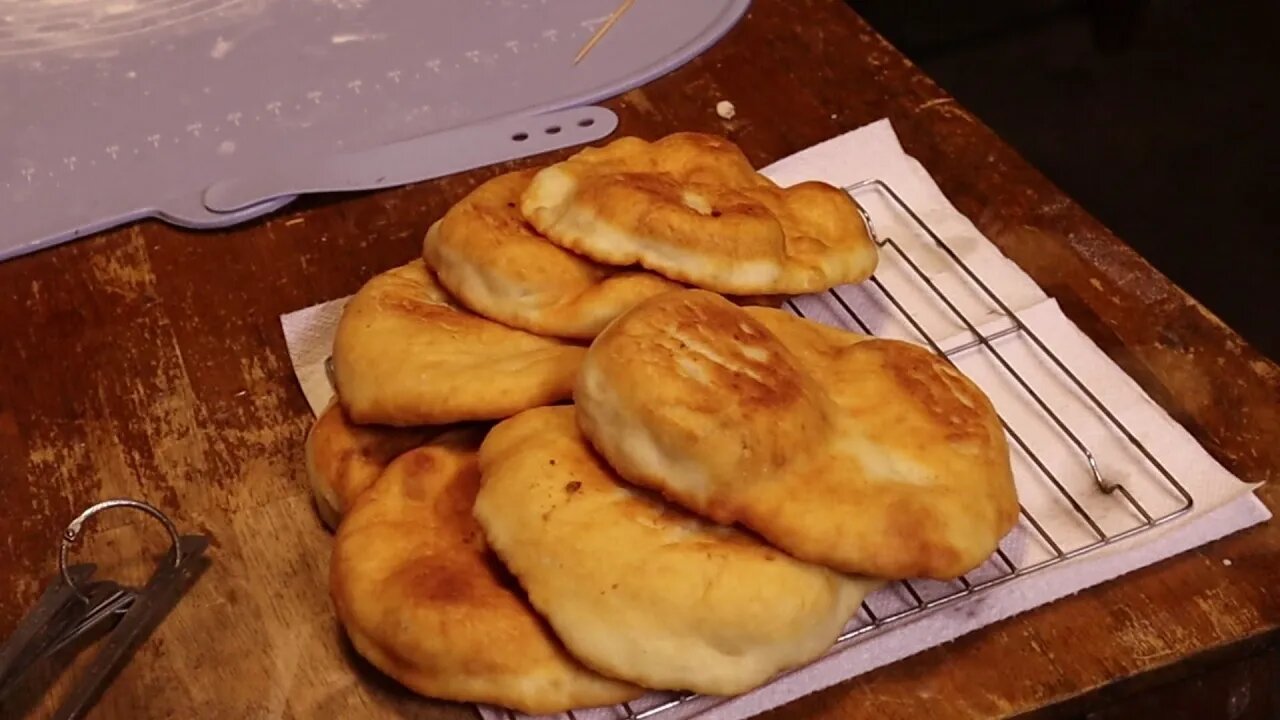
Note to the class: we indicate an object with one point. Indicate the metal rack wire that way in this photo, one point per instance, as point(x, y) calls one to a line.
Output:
point(1002, 568)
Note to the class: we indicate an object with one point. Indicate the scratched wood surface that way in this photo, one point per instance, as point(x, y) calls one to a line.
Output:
point(149, 362)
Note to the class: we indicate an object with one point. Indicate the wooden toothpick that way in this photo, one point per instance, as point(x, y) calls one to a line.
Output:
point(609, 23)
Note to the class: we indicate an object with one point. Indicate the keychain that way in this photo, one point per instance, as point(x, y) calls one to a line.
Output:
point(75, 607)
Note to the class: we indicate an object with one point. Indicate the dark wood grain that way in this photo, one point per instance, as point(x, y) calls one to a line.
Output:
point(149, 362)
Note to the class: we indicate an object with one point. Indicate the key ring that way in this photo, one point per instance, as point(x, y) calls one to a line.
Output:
point(72, 533)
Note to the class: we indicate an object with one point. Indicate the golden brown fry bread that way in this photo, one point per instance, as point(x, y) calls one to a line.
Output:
point(493, 262)
point(423, 599)
point(405, 355)
point(638, 589)
point(865, 455)
point(690, 207)
point(343, 459)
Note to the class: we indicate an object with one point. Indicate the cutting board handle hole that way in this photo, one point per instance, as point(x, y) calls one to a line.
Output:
point(520, 136)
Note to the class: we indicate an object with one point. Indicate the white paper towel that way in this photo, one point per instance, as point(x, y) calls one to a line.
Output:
point(1222, 504)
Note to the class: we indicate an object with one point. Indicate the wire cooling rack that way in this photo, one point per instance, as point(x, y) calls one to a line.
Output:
point(915, 598)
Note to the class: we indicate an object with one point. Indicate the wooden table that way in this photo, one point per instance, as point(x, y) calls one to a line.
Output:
point(149, 362)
